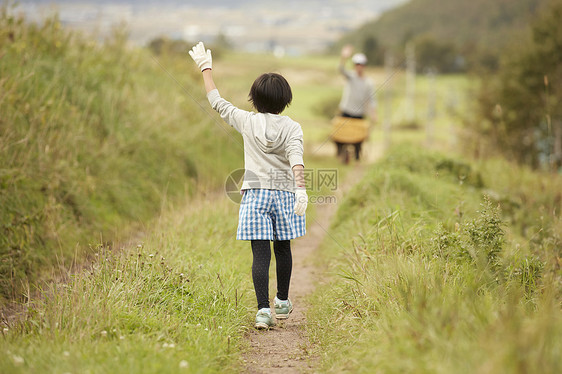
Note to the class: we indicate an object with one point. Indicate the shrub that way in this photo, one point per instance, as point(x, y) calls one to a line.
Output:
point(93, 140)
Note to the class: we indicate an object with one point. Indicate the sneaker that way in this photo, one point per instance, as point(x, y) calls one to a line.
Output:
point(283, 308)
point(264, 319)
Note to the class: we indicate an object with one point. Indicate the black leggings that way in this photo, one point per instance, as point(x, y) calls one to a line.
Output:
point(261, 250)
point(356, 145)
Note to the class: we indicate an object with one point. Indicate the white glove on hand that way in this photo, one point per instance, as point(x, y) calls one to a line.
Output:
point(301, 201)
point(346, 51)
point(202, 58)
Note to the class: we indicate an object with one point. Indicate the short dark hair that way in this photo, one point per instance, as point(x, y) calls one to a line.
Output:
point(270, 93)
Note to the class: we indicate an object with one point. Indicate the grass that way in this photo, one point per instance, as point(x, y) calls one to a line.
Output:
point(93, 140)
point(428, 276)
point(83, 170)
point(424, 275)
point(176, 302)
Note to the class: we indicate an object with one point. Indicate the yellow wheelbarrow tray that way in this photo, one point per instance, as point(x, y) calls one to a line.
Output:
point(349, 130)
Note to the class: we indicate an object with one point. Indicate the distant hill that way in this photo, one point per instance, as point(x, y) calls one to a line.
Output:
point(294, 26)
point(468, 26)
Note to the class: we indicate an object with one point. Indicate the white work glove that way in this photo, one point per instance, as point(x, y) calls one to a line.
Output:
point(346, 51)
point(202, 58)
point(301, 201)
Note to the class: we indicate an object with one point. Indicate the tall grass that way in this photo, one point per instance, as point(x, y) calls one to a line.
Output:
point(93, 138)
point(176, 302)
point(430, 274)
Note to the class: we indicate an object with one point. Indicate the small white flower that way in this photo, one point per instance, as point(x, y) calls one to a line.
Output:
point(139, 245)
point(103, 333)
point(151, 255)
point(184, 364)
point(171, 345)
point(220, 327)
point(66, 353)
point(165, 345)
point(6, 330)
point(18, 360)
point(114, 330)
point(198, 324)
point(206, 329)
point(121, 337)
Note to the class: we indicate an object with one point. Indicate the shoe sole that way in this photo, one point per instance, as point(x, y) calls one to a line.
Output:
point(283, 316)
point(262, 326)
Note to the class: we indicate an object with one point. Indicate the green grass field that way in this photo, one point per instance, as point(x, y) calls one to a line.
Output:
point(101, 145)
point(178, 300)
point(438, 265)
point(93, 141)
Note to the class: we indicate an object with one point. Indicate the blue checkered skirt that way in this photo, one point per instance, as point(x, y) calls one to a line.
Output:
point(269, 215)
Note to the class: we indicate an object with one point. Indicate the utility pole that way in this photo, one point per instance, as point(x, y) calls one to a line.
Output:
point(387, 121)
point(430, 107)
point(557, 148)
point(410, 82)
point(452, 106)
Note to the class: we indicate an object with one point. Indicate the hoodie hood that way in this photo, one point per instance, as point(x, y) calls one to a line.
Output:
point(267, 132)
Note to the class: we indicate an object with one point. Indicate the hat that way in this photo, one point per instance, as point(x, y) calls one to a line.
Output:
point(359, 59)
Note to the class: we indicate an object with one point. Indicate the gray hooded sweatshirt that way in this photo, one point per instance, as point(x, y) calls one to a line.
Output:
point(273, 144)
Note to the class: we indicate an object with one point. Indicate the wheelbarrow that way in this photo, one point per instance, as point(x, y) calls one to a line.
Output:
point(348, 131)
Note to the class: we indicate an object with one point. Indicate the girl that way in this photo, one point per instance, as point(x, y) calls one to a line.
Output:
point(274, 193)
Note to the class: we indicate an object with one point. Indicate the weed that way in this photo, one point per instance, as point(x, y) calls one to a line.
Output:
point(93, 139)
point(430, 270)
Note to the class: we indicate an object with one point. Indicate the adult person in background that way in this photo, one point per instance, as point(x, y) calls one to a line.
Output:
point(358, 100)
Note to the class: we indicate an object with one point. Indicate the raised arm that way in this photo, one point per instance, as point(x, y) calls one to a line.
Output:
point(346, 52)
point(204, 60)
point(235, 117)
point(208, 79)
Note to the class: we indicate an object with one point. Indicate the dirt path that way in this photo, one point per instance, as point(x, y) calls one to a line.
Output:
point(286, 348)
